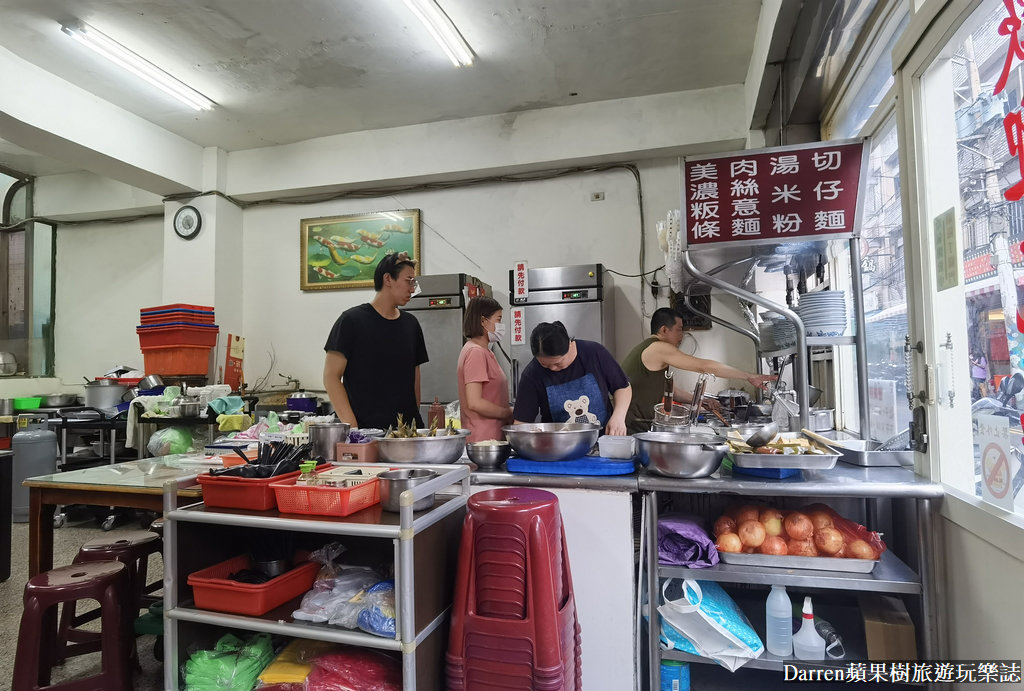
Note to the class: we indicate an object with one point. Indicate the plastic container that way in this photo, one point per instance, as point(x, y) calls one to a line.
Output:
point(213, 590)
point(779, 622)
point(435, 414)
point(807, 644)
point(611, 446)
point(325, 501)
point(28, 402)
point(240, 492)
point(347, 452)
point(675, 675)
point(175, 306)
point(176, 359)
point(177, 334)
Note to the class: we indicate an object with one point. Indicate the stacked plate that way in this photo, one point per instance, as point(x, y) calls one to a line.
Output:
point(784, 333)
point(823, 313)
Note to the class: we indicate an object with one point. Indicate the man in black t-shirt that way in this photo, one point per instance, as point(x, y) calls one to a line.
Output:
point(374, 352)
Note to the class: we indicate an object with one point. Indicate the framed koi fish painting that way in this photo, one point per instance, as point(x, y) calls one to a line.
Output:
point(343, 251)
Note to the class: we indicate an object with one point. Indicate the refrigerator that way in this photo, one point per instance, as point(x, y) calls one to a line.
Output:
point(579, 296)
point(439, 307)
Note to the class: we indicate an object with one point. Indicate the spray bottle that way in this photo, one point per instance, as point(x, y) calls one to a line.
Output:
point(807, 644)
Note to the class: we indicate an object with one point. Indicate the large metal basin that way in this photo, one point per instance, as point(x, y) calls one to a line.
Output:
point(552, 441)
point(681, 455)
point(447, 449)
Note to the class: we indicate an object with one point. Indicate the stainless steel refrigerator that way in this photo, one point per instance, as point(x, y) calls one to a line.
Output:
point(439, 308)
point(578, 296)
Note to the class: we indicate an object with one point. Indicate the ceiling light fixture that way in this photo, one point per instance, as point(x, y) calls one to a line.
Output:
point(140, 67)
point(443, 30)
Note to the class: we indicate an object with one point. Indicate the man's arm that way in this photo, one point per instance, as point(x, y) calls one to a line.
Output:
point(659, 355)
point(620, 402)
point(334, 371)
point(416, 386)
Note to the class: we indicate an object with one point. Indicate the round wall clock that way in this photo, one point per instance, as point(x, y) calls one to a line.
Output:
point(187, 222)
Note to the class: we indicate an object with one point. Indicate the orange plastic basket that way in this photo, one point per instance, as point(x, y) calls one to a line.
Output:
point(213, 590)
point(325, 501)
point(229, 492)
point(177, 359)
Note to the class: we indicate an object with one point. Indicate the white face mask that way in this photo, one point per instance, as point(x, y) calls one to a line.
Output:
point(498, 333)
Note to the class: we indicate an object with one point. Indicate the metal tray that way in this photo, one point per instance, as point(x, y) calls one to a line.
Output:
point(799, 461)
point(863, 453)
point(788, 562)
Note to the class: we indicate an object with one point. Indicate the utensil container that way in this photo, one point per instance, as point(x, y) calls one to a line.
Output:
point(214, 590)
point(318, 500)
point(394, 482)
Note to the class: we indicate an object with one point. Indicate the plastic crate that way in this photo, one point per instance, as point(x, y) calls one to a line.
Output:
point(325, 501)
point(177, 335)
point(157, 316)
point(175, 306)
point(229, 492)
point(177, 359)
point(213, 590)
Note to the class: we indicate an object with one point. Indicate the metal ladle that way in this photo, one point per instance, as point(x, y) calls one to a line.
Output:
point(763, 435)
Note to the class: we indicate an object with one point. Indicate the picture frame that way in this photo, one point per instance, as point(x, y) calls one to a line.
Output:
point(339, 252)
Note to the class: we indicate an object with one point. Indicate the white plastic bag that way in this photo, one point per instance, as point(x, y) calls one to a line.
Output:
point(712, 622)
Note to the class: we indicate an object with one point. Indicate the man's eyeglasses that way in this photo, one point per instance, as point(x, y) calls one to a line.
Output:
point(413, 282)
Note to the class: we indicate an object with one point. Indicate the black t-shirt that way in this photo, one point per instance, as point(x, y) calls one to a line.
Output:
point(382, 355)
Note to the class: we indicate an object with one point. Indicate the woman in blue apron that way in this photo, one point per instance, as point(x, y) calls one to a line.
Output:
point(571, 380)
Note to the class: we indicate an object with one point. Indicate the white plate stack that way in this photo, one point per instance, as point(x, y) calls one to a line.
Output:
point(823, 313)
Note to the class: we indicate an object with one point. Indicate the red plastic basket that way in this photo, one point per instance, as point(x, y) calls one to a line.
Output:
point(165, 316)
point(176, 359)
point(178, 334)
point(325, 501)
point(229, 492)
point(175, 306)
point(212, 589)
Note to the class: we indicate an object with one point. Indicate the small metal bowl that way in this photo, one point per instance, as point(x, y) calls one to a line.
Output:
point(551, 441)
point(394, 482)
point(488, 454)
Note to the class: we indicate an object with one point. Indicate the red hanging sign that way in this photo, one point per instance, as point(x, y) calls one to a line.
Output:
point(773, 194)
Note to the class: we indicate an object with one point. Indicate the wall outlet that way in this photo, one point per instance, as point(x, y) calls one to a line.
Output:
point(597, 196)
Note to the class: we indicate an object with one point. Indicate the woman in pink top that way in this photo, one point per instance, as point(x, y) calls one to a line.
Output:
point(483, 387)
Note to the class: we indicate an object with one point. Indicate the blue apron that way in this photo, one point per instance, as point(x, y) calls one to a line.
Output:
point(579, 400)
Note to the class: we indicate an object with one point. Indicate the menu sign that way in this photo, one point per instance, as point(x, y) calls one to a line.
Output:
point(773, 194)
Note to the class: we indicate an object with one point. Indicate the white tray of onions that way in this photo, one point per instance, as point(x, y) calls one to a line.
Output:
point(815, 538)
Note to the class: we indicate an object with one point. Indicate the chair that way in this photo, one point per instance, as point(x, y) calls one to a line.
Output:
point(106, 582)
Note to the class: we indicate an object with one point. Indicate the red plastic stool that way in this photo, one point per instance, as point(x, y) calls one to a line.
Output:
point(131, 548)
point(514, 623)
point(105, 582)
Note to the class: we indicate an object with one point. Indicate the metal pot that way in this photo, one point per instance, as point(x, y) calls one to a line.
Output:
point(304, 401)
point(185, 406)
point(325, 437)
point(8, 364)
point(681, 455)
point(104, 393)
point(822, 419)
point(394, 482)
point(59, 400)
point(731, 399)
point(150, 381)
point(6, 406)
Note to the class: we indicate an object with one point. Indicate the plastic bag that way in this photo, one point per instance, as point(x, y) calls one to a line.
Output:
point(711, 622)
point(338, 598)
point(326, 556)
point(355, 669)
point(232, 665)
point(378, 615)
point(170, 440)
point(683, 542)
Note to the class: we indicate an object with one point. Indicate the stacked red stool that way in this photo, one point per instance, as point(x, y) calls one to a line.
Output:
point(514, 623)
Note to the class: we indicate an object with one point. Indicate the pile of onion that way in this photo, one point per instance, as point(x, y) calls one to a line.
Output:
point(816, 531)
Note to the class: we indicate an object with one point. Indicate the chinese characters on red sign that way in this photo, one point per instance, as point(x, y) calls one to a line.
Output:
point(1013, 123)
point(520, 287)
point(774, 194)
point(518, 326)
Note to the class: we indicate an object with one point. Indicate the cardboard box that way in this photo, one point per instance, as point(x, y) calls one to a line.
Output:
point(888, 628)
point(356, 453)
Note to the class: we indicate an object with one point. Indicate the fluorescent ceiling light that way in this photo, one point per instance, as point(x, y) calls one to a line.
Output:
point(140, 67)
point(443, 30)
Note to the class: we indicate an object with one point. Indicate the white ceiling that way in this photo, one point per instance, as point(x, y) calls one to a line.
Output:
point(283, 71)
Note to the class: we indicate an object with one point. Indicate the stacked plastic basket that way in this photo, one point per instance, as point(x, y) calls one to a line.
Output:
point(176, 339)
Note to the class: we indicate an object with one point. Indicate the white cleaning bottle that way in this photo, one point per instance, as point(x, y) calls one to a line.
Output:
point(779, 622)
point(807, 644)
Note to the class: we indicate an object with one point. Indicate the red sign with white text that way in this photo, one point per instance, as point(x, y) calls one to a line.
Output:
point(773, 194)
point(518, 326)
point(520, 286)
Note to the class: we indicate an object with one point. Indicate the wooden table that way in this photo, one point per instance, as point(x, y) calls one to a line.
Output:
point(133, 484)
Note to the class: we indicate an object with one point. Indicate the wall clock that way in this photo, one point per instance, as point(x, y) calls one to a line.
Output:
point(187, 222)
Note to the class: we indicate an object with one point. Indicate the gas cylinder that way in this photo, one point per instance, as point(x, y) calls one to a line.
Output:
point(35, 453)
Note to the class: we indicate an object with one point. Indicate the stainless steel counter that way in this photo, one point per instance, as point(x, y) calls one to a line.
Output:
point(616, 483)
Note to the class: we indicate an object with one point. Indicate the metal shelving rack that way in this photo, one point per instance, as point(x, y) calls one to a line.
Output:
point(891, 575)
point(423, 549)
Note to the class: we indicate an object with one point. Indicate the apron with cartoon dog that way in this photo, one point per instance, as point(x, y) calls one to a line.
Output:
point(579, 400)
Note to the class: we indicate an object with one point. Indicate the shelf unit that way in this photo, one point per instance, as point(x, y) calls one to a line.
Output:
point(422, 546)
point(877, 488)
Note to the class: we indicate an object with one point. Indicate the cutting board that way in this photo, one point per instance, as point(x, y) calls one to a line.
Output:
point(588, 465)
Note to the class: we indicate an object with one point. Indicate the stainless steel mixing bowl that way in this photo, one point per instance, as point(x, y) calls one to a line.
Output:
point(394, 482)
point(488, 454)
point(681, 455)
point(552, 441)
point(447, 449)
